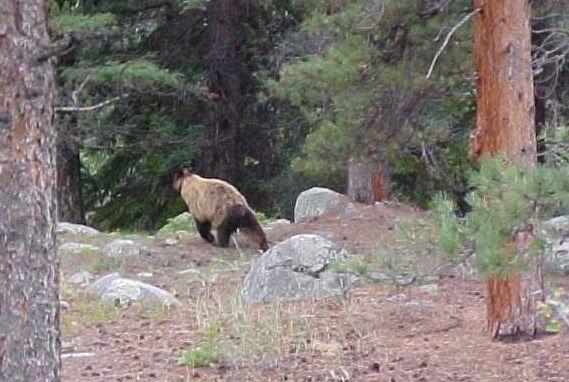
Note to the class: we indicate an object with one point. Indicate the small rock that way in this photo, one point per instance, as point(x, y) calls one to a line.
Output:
point(429, 288)
point(189, 270)
point(121, 248)
point(76, 229)
point(124, 291)
point(171, 241)
point(276, 223)
point(397, 297)
point(77, 355)
point(350, 211)
point(77, 247)
point(81, 278)
point(146, 275)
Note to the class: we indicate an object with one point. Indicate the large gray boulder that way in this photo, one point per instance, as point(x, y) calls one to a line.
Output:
point(313, 202)
point(297, 268)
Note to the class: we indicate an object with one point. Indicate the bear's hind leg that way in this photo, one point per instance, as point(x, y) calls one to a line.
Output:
point(224, 231)
point(204, 228)
point(244, 219)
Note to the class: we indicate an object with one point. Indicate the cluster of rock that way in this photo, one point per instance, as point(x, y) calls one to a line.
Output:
point(300, 267)
point(112, 288)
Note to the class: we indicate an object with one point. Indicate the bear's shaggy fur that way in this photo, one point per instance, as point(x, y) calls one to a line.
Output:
point(214, 202)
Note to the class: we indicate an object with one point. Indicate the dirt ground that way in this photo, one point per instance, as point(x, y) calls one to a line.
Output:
point(379, 332)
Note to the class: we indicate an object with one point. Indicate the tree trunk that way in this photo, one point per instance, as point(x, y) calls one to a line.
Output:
point(505, 124)
point(227, 86)
point(29, 274)
point(69, 197)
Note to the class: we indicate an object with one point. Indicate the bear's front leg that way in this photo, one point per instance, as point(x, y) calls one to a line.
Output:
point(204, 228)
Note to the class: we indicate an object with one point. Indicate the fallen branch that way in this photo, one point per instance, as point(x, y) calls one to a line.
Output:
point(447, 39)
point(70, 109)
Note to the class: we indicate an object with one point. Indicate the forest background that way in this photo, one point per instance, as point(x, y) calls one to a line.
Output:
point(275, 97)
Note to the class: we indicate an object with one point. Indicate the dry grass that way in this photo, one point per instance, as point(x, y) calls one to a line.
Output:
point(376, 333)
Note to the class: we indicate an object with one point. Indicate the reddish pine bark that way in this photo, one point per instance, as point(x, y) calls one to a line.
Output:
point(505, 101)
point(29, 274)
point(505, 124)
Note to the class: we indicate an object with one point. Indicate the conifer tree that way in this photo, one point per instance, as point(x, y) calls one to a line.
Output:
point(505, 125)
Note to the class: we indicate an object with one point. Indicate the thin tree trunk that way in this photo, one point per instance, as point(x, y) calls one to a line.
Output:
point(29, 274)
point(505, 124)
point(542, 86)
point(69, 197)
point(227, 86)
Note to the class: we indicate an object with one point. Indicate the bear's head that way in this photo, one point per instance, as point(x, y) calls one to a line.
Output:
point(179, 177)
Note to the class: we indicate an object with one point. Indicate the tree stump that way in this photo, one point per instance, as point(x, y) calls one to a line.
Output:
point(360, 184)
point(368, 180)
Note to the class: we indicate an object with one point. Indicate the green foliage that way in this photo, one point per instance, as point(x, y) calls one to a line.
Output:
point(263, 218)
point(505, 199)
point(357, 77)
point(450, 233)
point(136, 75)
point(353, 265)
point(198, 357)
point(82, 22)
point(327, 91)
point(332, 78)
point(102, 264)
point(129, 147)
point(99, 313)
point(129, 189)
point(556, 139)
point(208, 353)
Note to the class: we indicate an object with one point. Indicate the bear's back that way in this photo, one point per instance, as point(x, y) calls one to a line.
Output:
point(208, 199)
